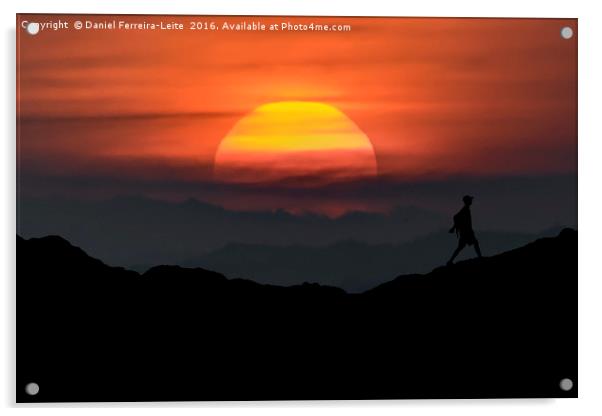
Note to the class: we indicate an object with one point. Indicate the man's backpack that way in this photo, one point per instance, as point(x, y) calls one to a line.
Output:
point(460, 221)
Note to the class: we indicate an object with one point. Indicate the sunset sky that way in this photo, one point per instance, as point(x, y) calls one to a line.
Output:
point(106, 113)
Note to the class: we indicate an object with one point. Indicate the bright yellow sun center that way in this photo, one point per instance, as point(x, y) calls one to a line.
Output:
point(294, 140)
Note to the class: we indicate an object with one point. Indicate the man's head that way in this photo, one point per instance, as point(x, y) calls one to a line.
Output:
point(467, 200)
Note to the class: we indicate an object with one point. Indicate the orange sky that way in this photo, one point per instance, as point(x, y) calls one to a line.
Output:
point(435, 97)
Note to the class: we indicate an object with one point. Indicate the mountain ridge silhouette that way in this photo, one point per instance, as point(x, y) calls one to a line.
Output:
point(130, 231)
point(355, 266)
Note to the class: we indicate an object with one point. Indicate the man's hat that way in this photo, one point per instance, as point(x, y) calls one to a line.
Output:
point(467, 198)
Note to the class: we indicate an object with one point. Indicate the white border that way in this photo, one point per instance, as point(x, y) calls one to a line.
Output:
point(590, 207)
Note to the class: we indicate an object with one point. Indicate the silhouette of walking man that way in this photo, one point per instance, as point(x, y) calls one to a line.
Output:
point(463, 229)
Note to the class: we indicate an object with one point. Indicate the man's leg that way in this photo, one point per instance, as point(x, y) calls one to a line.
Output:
point(461, 245)
point(477, 248)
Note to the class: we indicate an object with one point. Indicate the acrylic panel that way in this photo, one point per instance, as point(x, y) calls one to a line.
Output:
point(292, 208)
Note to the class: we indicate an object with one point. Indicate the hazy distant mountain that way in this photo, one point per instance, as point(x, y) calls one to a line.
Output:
point(504, 326)
point(354, 266)
point(130, 230)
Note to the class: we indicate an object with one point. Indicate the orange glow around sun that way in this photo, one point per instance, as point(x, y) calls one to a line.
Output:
point(286, 140)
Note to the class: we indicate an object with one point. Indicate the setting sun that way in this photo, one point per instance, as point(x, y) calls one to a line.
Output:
point(294, 139)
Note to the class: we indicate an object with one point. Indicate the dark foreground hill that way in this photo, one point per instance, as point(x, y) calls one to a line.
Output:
point(504, 326)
